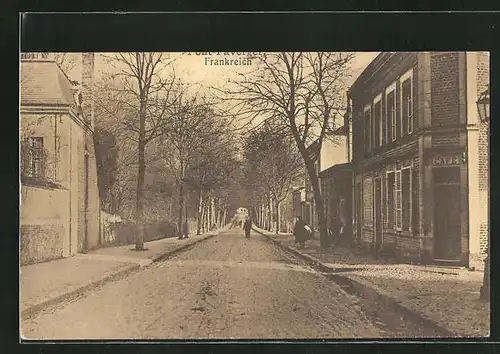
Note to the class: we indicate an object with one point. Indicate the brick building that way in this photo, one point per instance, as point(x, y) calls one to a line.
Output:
point(59, 211)
point(420, 156)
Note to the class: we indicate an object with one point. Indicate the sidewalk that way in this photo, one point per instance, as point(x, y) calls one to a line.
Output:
point(45, 284)
point(446, 297)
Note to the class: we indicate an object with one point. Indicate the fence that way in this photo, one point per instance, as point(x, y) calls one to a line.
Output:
point(117, 231)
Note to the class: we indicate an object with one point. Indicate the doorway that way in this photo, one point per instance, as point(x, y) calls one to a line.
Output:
point(447, 221)
point(359, 222)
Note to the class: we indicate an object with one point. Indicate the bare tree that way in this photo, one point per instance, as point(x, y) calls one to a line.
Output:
point(274, 163)
point(183, 137)
point(210, 172)
point(139, 94)
point(66, 61)
point(302, 93)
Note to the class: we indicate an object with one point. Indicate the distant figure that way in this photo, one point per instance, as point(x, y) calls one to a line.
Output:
point(247, 226)
point(302, 232)
point(185, 231)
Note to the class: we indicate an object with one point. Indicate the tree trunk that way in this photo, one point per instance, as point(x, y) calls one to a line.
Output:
point(262, 219)
point(209, 213)
point(270, 214)
point(219, 219)
point(319, 205)
point(216, 211)
point(200, 212)
point(277, 216)
point(212, 212)
point(139, 238)
point(181, 207)
point(206, 216)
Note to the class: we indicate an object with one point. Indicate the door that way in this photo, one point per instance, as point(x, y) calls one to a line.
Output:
point(447, 231)
point(358, 211)
point(378, 214)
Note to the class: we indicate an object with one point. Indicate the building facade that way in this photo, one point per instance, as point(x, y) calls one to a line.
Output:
point(59, 207)
point(419, 157)
point(336, 188)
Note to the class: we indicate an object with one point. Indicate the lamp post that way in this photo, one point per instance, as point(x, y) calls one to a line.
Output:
point(483, 106)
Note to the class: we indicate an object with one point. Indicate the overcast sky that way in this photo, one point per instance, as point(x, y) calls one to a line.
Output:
point(192, 68)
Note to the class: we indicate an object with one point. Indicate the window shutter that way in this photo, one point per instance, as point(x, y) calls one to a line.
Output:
point(390, 200)
point(391, 109)
point(383, 104)
point(399, 214)
point(410, 109)
point(415, 203)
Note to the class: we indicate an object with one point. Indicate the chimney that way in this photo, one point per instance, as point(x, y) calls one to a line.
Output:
point(87, 81)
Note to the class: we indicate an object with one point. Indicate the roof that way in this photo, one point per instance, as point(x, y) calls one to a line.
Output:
point(44, 83)
point(371, 69)
point(341, 167)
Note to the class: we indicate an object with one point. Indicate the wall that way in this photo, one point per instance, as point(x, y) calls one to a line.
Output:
point(44, 224)
point(444, 83)
point(93, 234)
point(44, 212)
point(483, 79)
point(478, 162)
point(64, 142)
point(333, 152)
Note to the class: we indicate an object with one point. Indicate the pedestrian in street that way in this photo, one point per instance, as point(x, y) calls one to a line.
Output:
point(302, 232)
point(247, 226)
point(185, 231)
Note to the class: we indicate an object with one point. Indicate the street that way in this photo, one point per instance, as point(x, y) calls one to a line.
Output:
point(227, 287)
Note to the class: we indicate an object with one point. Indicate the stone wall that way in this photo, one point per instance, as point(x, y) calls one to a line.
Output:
point(44, 224)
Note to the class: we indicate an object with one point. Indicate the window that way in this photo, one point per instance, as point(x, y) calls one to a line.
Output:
point(390, 200)
point(407, 102)
point(367, 202)
point(399, 203)
point(35, 167)
point(384, 125)
point(407, 106)
point(377, 122)
point(391, 115)
point(406, 198)
point(368, 130)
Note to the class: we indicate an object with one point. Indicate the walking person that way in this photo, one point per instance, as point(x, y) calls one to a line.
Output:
point(247, 226)
point(302, 232)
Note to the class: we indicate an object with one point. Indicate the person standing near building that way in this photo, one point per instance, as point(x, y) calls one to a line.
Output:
point(247, 226)
point(302, 232)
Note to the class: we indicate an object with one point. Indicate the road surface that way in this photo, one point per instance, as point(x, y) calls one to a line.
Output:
point(226, 287)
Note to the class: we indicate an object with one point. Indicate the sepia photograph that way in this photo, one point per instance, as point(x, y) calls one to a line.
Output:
point(254, 195)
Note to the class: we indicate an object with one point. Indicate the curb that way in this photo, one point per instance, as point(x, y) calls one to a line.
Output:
point(364, 289)
point(35, 309)
point(310, 259)
point(371, 293)
point(173, 252)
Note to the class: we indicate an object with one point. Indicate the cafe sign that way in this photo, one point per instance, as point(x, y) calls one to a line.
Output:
point(446, 160)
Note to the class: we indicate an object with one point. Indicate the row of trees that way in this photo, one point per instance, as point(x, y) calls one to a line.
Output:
point(273, 166)
point(291, 100)
point(301, 94)
point(160, 142)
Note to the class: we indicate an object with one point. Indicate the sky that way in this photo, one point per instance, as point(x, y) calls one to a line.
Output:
point(194, 68)
point(199, 70)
